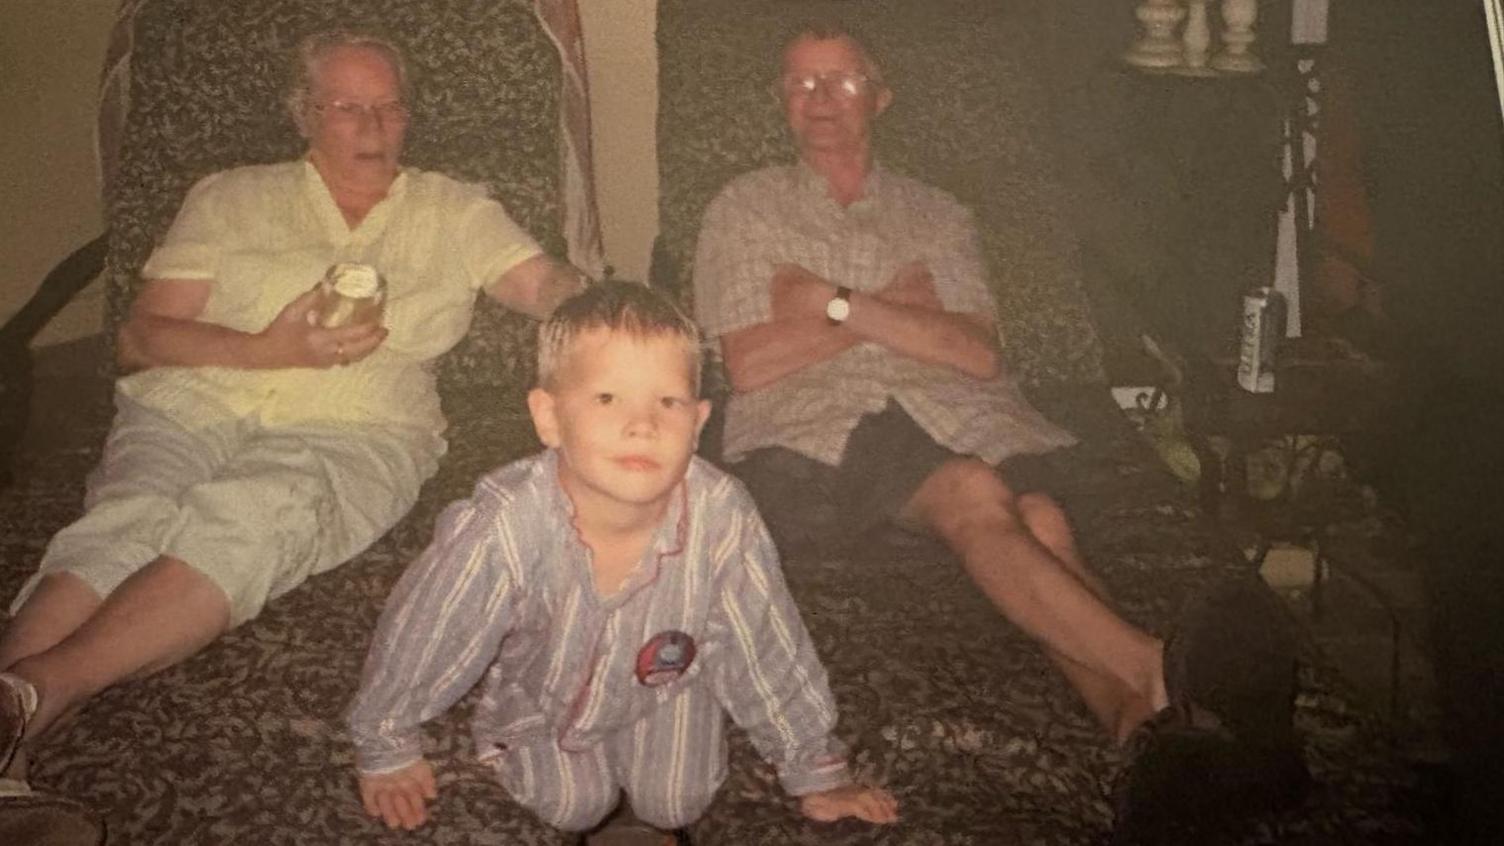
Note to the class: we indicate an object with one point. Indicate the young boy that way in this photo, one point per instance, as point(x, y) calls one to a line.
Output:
point(618, 595)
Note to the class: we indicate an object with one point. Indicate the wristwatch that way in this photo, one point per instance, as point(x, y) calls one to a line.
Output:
point(839, 307)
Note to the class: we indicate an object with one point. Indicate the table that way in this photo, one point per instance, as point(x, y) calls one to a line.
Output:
point(1323, 389)
point(1324, 392)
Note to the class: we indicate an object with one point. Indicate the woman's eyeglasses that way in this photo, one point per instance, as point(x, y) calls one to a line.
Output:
point(392, 111)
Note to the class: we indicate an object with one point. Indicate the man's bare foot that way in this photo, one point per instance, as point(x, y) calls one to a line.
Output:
point(1133, 714)
point(1141, 703)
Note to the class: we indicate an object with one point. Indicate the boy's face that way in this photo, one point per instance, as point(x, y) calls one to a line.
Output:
point(623, 415)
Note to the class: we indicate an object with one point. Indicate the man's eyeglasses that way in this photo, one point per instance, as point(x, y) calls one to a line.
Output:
point(842, 85)
point(392, 111)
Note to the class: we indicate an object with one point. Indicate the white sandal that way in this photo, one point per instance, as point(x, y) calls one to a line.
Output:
point(18, 701)
point(25, 815)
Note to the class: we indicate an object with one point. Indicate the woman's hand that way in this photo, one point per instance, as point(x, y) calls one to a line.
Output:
point(873, 804)
point(164, 330)
point(291, 339)
point(400, 798)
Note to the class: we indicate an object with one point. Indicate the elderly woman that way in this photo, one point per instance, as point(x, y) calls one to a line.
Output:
point(252, 447)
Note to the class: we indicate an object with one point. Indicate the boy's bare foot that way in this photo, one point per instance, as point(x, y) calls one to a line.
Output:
point(858, 801)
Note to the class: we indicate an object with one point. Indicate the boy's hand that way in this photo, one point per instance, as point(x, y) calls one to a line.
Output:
point(400, 797)
point(872, 804)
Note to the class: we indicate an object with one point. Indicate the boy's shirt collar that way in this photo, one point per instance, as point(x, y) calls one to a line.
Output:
point(668, 538)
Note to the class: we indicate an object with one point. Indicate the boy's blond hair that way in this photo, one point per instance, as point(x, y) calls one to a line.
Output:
point(619, 306)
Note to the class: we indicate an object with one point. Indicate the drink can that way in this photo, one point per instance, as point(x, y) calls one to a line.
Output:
point(349, 293)
point(1263, 327)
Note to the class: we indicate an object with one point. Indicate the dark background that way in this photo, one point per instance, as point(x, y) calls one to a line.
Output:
point(1176, 187)
point(1434, 155)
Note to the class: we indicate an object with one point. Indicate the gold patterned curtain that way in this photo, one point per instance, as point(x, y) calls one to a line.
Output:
point(561, 20)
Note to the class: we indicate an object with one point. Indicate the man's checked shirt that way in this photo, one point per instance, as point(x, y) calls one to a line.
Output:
point(784, 215)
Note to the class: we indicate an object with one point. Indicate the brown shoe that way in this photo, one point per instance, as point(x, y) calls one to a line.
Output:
point(1233, 652)
point(1190, 780)
point(38, 819)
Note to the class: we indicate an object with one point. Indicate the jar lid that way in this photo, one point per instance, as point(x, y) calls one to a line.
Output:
point(355, 280)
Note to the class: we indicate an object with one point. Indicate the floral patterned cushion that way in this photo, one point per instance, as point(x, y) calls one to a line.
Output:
point(952, 707)
point(940, 699)
point(205, 94)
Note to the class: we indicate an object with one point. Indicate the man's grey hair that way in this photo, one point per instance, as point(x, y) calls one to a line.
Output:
point(830, 28)
point(303, 65)
point(618, 306)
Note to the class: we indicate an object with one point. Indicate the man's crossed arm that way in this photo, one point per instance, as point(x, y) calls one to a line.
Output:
point(905, 315)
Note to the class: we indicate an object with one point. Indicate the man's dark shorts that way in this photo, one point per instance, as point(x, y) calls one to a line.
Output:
point(808, 505)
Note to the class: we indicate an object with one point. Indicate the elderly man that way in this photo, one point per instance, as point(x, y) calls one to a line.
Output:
point(254, 446)
point(860, 341)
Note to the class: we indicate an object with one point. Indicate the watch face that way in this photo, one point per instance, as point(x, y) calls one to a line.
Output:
point(838, 309)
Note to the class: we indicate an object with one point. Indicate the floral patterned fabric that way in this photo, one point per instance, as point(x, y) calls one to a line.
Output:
point(977, 734)
point(940, 699)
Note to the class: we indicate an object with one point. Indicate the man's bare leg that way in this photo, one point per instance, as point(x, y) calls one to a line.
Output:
point(1117, 708)
point(162, 614)
point(1020, 553)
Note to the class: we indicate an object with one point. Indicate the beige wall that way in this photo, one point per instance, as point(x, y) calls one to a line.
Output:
point(50, 54)
point(623, 68)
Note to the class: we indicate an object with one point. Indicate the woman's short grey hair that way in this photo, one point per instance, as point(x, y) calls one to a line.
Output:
point(312, 49)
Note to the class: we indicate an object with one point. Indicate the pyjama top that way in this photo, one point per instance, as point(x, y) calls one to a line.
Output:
point(505, 596)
